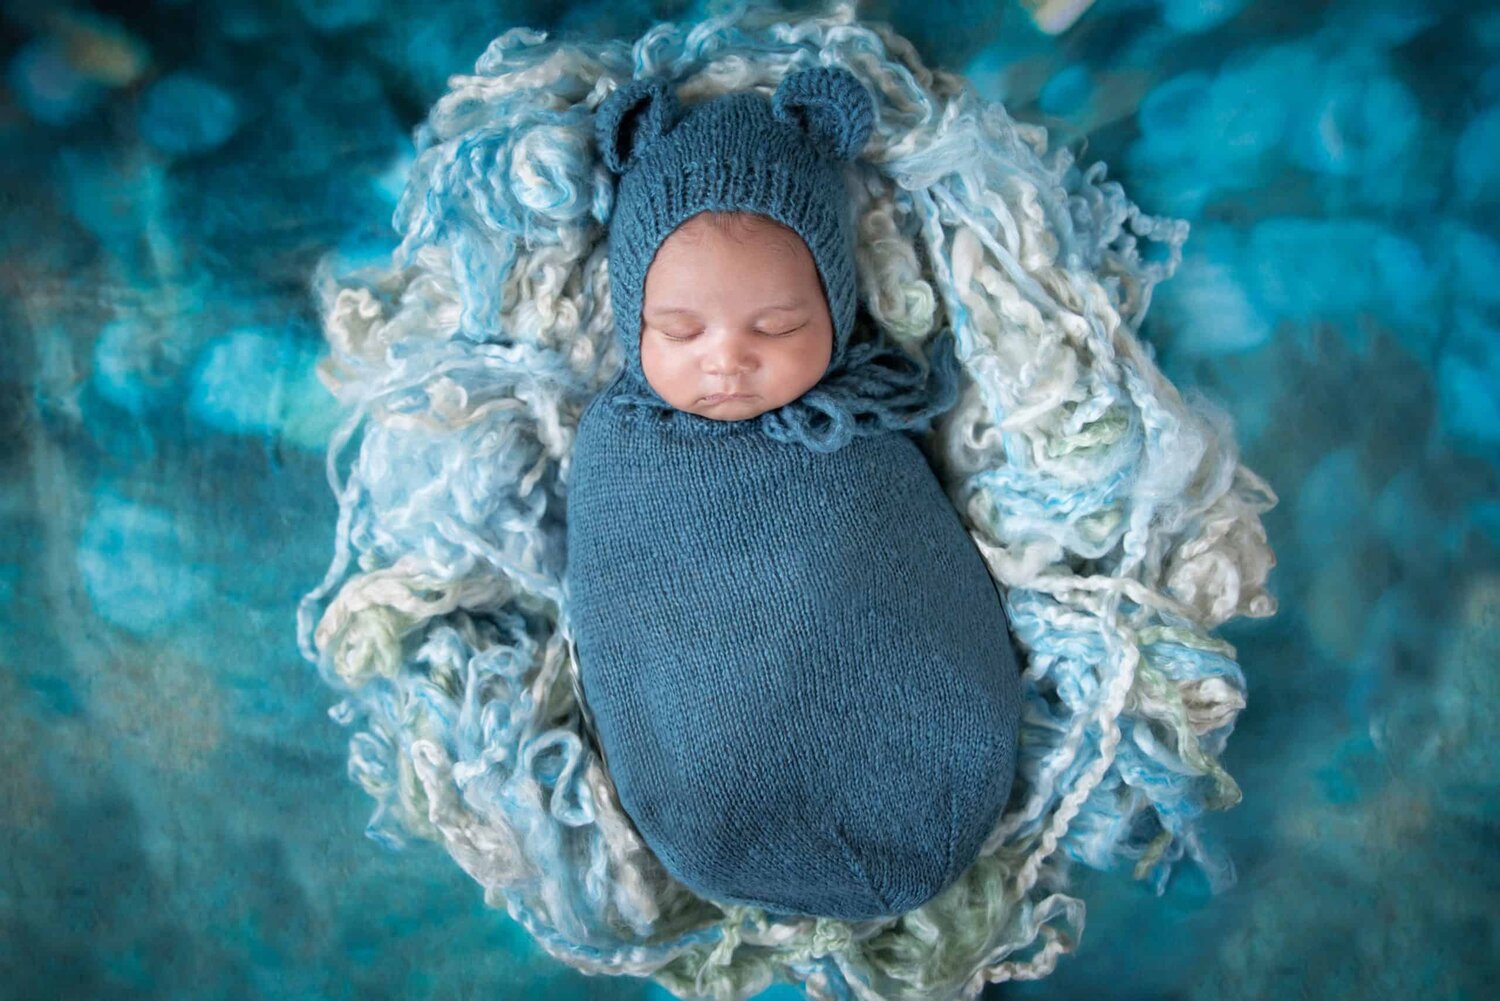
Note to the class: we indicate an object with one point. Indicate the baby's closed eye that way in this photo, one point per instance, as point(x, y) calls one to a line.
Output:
point(689, 334)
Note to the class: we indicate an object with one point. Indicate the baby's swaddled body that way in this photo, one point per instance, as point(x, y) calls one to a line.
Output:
point(798, 667)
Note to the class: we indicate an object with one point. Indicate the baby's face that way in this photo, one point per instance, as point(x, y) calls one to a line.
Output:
point(739, 312)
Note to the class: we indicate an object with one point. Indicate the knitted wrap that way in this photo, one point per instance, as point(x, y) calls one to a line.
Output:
point(798, 669)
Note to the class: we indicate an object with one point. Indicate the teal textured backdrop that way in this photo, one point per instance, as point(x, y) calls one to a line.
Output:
point(175, 817)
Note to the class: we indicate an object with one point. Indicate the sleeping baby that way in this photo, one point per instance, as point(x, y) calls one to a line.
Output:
point(795, 662)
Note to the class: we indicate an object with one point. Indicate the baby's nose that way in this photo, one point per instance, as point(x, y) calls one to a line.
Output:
point(728, 363)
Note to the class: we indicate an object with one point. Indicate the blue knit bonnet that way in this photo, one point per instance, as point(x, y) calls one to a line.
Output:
point(736, 152)
point(784, 159)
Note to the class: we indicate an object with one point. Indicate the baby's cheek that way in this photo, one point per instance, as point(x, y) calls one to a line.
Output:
point(653, 365)
point(808, 361)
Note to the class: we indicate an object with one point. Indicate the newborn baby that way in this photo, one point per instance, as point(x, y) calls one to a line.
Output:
point(797, 666)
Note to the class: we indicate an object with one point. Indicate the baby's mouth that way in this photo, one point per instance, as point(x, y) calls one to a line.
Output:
point(726, 397)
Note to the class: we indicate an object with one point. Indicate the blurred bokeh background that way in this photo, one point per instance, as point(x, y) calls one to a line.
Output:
point(175, 818)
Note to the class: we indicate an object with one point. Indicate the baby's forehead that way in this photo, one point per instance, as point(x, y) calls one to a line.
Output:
point(744, 227)
point(753, 260)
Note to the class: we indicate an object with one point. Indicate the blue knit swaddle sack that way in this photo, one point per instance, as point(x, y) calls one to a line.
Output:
point(796, 663)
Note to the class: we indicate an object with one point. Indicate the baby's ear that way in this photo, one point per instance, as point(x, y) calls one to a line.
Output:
point(633, 118)
point(830, 105)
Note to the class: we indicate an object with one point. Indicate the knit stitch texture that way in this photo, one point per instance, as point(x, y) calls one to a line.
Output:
point(798, 668)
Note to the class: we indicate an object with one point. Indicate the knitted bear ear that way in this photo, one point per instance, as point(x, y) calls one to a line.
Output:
point(632, 119)
point(830, 105)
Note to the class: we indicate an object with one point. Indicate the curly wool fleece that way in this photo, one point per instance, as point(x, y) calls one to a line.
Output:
point(798, 667)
